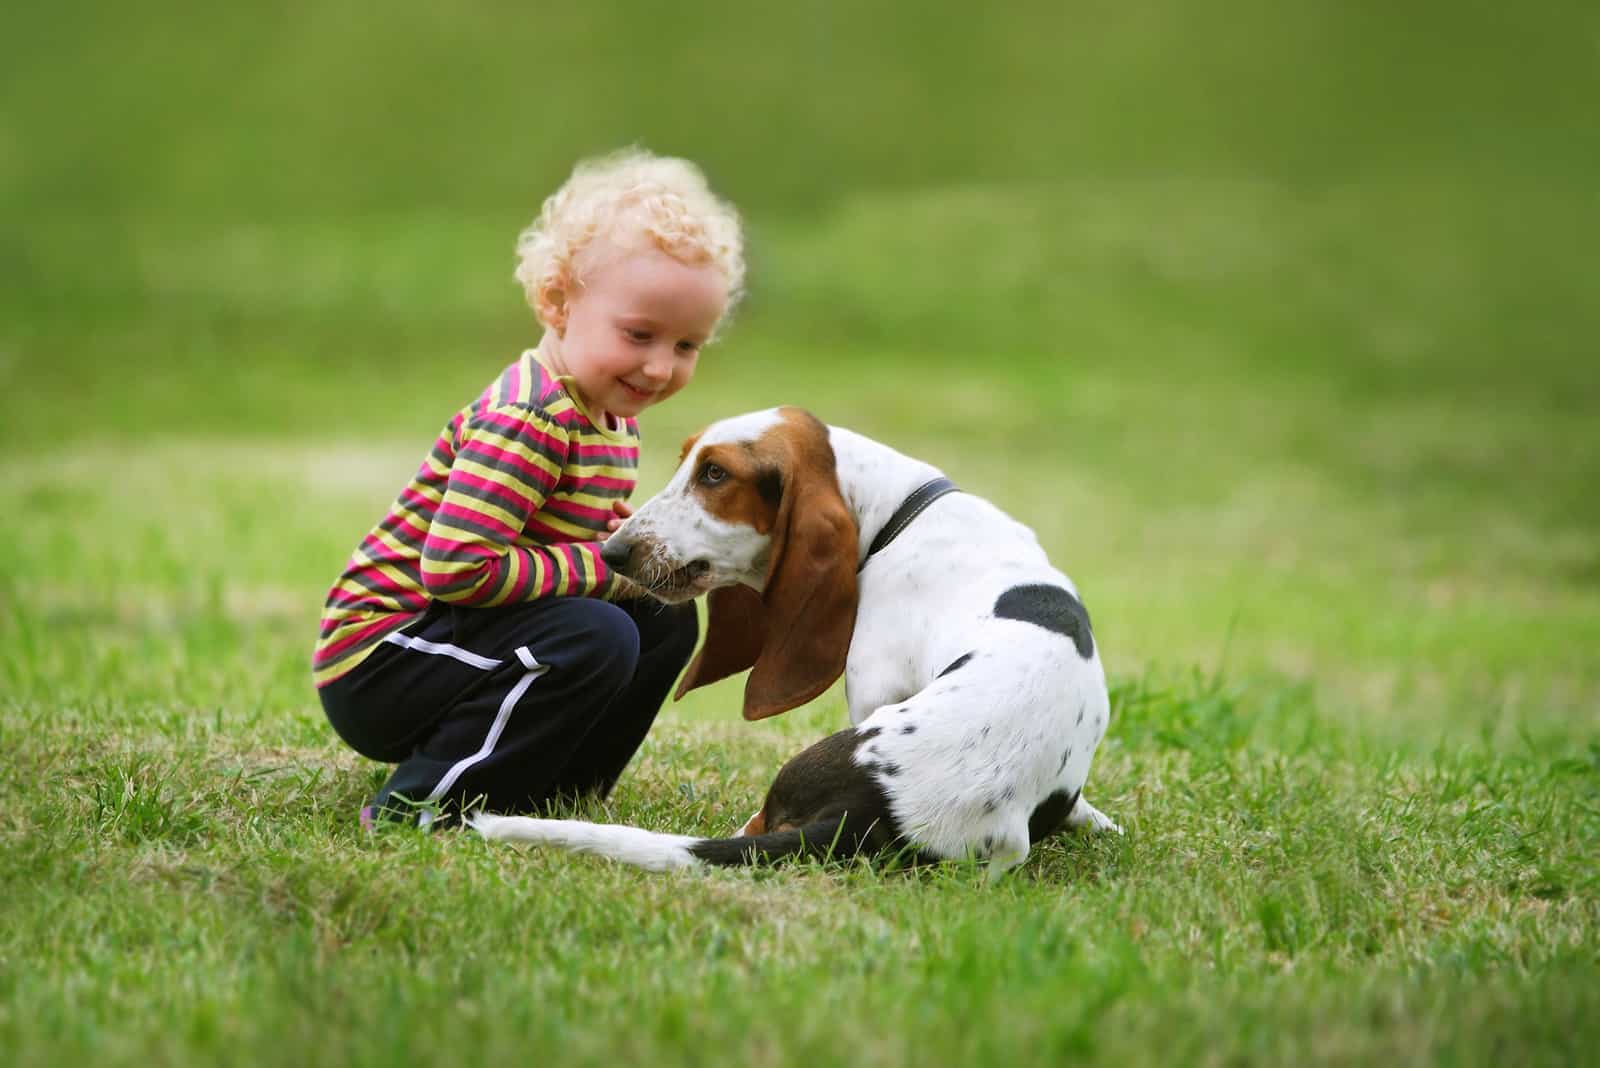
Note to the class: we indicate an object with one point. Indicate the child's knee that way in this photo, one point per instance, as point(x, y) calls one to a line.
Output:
point(677, 631)
point(604, 644)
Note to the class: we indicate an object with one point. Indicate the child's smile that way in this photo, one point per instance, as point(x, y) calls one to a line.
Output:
point(634, 329)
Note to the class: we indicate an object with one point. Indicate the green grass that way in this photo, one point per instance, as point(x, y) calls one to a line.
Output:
point(1277, 328)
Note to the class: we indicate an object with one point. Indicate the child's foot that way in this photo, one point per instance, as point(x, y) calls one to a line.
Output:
point(373, 817)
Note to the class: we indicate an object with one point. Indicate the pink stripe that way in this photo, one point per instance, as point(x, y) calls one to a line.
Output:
point(548, 585)
point(605, 452)
point(380, 553)
point(348, 587)
point(546, 380)
point(597, 566)
point(347, 594)
point(500, 458)
point(416, 502)
point(408, 520)
point(515, 501)
point(472, 515)
point(467, 586)
point(524, 578)
point(487, 583)
point(522, 430)
point(604, 482)
point(565, 549)
point(332, 650)
point(438, 547)
point(543, 535)
point(348, 599)
point(577, 511)
point(378, 578)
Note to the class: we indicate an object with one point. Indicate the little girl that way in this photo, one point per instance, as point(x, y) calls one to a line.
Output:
point(476, 638)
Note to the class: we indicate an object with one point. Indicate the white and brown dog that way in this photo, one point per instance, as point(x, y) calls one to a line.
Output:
point(975, 689)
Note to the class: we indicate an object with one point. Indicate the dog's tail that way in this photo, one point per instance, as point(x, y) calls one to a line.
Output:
point(657, 851)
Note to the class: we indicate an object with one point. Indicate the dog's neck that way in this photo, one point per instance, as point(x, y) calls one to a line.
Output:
point(874, 479)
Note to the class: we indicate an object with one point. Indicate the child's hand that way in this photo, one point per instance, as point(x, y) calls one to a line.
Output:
point(625, 589)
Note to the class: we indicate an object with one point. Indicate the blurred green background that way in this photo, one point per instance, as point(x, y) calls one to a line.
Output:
point(1275, 319)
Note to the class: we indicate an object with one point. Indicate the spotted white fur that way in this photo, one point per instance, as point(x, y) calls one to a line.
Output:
point(964, 758)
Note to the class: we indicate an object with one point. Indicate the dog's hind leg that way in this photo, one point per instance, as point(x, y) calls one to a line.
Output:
point(1086, 816)
point(1006, 849)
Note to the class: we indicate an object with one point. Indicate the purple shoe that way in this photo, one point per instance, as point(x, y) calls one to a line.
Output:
point(367, 822)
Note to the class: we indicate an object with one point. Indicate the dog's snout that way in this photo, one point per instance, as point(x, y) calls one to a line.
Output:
point(615, 551)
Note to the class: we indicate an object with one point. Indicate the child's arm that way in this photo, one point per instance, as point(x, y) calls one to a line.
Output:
point(507, 463)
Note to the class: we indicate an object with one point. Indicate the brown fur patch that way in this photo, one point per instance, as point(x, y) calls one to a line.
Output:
point(795, 634)
point(737, 498)
point(688, 444)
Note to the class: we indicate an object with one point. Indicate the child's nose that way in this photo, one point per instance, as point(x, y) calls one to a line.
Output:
point(658, 368)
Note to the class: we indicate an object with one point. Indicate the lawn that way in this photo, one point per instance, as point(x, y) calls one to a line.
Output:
point(1280, 332)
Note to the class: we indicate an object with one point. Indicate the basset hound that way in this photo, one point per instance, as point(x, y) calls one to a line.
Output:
point(974, 684)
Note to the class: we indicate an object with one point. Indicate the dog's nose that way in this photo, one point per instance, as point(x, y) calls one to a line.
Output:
point(615, 551)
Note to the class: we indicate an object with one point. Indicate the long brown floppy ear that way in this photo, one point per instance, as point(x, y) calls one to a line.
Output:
point(736, 628)
point(810, 594)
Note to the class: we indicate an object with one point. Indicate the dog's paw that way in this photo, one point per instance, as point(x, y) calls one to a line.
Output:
point(1085, 817)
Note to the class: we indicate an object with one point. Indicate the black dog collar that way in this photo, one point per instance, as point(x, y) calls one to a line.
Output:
point(909, 509)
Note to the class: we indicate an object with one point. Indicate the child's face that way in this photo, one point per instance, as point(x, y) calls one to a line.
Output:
point(634, 329)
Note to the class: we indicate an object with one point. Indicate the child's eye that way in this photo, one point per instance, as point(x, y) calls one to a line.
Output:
point(638, 336)
point(687, 347)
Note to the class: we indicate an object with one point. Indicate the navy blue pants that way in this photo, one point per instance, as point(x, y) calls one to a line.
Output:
point(510, 707)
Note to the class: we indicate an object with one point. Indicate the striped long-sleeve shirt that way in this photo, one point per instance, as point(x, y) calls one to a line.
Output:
point(509, 505)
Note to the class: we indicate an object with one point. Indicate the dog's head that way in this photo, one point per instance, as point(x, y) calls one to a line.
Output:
point(754, 517)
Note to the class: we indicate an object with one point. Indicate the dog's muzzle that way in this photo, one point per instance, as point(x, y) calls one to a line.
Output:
point(659, 577)
point(615, 552)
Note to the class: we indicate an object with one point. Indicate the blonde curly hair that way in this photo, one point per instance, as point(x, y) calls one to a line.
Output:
point(630, 199)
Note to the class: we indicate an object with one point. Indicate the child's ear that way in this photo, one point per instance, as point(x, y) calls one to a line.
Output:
point(552, 306)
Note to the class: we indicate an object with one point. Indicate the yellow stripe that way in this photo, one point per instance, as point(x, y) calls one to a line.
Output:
point(390, 541)
point(492, 436)
point(514, 571)
point(433, 567)
point(517, 483)
point(469, 503)
point(573, 531)
point(398, 577)
point(540, 569)
point(588, 500)
point(578, 470)
point(563, 572)
point(439, 473)
point(355, 589)
point(443, 528)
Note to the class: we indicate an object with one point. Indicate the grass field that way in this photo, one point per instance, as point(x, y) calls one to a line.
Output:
point(1280, 330)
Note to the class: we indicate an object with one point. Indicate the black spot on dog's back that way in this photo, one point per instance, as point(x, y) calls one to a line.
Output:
point(1050, 607)
point(956, 663)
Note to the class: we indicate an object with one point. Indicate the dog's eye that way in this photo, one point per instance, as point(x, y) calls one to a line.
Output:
point(711, 474)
